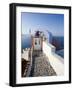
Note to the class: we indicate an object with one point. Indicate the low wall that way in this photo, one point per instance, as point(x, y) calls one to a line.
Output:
point(25, 55)
point(55, 60)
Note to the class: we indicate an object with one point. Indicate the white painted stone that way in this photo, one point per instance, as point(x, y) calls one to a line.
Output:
point(55, 60)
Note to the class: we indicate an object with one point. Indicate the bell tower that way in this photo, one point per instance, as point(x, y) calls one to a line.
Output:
point(37, 41)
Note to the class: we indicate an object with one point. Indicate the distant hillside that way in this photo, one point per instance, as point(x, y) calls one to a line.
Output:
point(58, 42)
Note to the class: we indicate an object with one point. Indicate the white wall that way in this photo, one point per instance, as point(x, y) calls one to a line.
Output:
point(37, 46)
point(25, 55)
point(54, 59)
point(4, 45)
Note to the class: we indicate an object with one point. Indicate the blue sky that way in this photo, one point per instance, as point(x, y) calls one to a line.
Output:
point(54, 23)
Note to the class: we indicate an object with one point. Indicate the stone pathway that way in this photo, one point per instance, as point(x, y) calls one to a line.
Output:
point(42, 67)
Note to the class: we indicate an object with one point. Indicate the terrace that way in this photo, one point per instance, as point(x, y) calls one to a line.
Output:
point(43, 63)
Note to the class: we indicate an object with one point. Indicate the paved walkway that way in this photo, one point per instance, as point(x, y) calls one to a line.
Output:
point(41, 66)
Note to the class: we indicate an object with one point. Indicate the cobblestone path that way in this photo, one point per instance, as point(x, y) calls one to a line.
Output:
point(42, 67)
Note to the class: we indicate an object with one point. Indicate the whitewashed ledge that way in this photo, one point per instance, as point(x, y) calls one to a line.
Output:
point(59, 57)
point(55, 60)
point(25, 54)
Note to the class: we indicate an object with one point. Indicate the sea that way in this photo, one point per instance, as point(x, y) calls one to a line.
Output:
point(26, 41)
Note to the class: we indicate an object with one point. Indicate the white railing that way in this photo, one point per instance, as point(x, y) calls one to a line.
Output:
point(55, 60)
